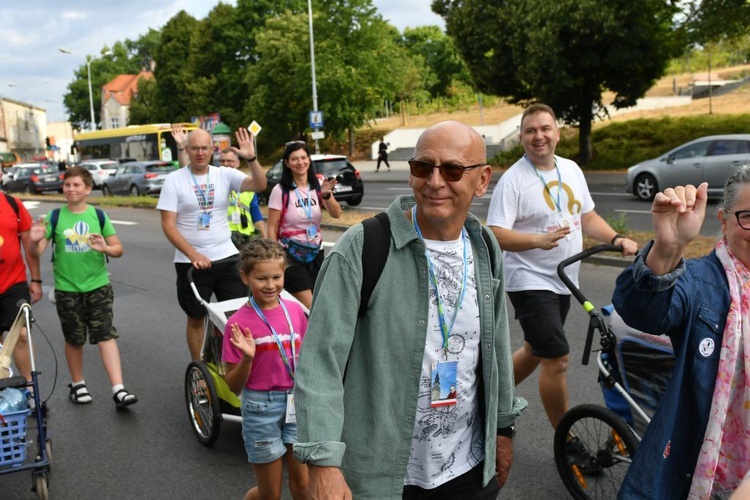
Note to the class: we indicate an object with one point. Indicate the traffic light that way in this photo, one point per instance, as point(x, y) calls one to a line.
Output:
point(46, 141)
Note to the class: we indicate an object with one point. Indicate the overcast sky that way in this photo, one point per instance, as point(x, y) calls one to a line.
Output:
point(33, 70)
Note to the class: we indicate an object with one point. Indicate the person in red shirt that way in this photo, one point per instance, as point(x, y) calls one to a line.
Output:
point(14, 289)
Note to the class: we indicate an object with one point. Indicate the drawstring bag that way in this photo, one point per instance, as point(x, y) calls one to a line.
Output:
point(300, 251)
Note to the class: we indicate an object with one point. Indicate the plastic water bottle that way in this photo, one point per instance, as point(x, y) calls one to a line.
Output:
point(12, 400)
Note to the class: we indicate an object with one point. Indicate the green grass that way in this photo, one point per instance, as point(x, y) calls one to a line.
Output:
point(104, 201)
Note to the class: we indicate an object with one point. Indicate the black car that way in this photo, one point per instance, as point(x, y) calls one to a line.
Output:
point(349, 188)
point(33, 178)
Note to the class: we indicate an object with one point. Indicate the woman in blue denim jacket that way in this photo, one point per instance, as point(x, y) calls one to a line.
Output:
point(697, 444)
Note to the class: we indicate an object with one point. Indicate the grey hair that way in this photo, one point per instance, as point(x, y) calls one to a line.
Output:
point(734, 184)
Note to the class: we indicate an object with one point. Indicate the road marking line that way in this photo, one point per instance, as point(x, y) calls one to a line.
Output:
point(328, 244)
point(123, 222)
point(621, 195)
point(31, 205)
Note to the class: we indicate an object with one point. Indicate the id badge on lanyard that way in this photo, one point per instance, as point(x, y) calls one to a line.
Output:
point(236, 218)
point(443, 390)
point(204, 221)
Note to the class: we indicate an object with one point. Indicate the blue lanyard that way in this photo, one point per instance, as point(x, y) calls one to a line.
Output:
point(308, 208)
point(559, 183)
point(203, 194)
point(444, 329)
point(289, 364)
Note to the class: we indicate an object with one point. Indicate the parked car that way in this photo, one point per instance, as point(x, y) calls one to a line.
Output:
point(32, 178)
point(349, 188)
point(137, 178)
point(100, 169)
point(709, 159)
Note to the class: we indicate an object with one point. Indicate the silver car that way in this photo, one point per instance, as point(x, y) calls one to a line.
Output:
point(100, 169)
point(709, 159)
point(138, 177)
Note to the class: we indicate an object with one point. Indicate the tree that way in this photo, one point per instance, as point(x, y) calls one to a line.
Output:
point(172, 101)
point(442, 63)
point(357, 62)
point(564, 53)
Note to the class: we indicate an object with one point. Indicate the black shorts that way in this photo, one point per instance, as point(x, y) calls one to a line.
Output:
point(221, 279)
point(299, 277)
point(542, 316)
point(10, 303)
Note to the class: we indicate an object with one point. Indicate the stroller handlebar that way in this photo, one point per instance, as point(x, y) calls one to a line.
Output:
point(596, 322)
point(577, 258)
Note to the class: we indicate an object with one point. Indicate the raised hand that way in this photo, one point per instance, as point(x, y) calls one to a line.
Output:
point(246, 148)
point(38, 230)
point(678, 214)
point(243, 341)
point(180, 135)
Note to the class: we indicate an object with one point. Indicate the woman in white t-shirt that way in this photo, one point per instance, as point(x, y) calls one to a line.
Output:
point(294, 215)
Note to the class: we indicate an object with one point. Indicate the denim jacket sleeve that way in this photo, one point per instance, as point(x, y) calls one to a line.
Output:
point(642, 298)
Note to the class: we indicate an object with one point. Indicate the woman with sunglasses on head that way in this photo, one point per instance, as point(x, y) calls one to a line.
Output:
point(294, 214)
point(697, 445)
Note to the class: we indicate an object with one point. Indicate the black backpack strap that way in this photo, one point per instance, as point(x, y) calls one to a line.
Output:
point(376, 243)
point(13, 204)
point(102, 219)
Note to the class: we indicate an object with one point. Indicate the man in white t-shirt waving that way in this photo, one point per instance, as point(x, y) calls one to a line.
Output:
point(539, 210)
point(193, 205)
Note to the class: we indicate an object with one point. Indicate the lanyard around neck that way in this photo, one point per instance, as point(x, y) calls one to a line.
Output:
point(559, 183)
point(288, 363)
point(307, 208)
point(201, 193)
point(444, 328)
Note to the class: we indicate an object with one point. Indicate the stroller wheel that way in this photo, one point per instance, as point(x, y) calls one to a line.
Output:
point(593, 450)
point(41, 485)
point(202, 403)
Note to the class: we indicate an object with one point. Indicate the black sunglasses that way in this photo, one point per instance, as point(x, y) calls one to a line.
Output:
point(451, 173)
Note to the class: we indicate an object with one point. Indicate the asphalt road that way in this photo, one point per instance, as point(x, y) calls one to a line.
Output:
point(149, 451)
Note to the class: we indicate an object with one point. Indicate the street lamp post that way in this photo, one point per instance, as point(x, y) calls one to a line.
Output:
point(88, 70)
point(312, 64)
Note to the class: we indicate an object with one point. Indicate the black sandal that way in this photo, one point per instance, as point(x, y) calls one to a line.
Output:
point(127, 399)
point(79, 394)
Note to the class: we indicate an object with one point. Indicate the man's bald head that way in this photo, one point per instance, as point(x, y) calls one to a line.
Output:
point(452, 137)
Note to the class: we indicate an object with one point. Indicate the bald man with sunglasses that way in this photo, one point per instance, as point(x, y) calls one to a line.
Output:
point(539, 211)
point(414, 398)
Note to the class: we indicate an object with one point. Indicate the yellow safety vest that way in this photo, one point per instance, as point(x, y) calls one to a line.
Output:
point(241, 204)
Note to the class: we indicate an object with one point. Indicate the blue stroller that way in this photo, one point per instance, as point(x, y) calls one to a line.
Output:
point(634, 370)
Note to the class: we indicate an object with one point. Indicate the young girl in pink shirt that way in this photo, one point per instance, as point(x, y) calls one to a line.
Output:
point(260, 348)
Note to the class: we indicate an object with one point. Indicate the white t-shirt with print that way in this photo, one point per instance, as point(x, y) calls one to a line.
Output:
point(296, 220)
point(522, 202)
point(448, 440)
point(189, 195)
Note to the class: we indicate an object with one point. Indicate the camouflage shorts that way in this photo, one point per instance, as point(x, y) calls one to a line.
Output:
point(80, 312)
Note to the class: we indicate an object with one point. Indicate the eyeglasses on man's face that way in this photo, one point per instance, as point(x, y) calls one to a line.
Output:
point(450, 172)
point(743, 218)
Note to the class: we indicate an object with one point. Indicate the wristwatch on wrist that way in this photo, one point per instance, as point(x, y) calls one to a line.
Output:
point(616, 237)
point(326, 196)
point(509, 431)
point(250, 160)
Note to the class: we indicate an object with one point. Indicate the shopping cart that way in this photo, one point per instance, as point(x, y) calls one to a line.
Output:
point(17, 427)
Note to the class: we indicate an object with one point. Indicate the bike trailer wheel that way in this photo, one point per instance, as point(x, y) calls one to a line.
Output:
point(595, 466)
point(202, 403)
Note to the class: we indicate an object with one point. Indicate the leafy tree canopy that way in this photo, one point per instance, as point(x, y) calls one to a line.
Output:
point(565, 53)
